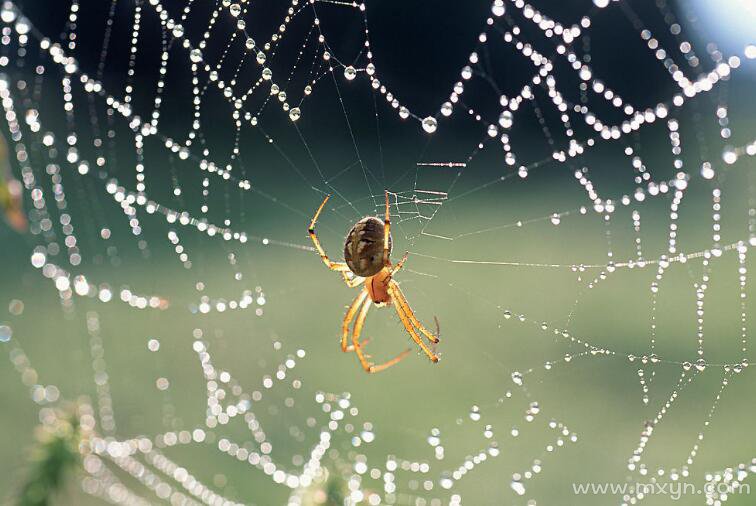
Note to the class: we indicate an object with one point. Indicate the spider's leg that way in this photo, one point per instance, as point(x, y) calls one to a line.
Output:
point(349, 317)
point(351, 283)
point(408, 326)
point(358, 347)
point(386, 234)
point(334, 266)
point(386, 365)
point(398, 294)
point(356, 335)
point(398, 266)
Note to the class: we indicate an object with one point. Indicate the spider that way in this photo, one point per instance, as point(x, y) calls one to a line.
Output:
point(366, 254)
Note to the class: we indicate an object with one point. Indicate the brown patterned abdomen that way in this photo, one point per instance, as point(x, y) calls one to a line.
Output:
point(363, 249)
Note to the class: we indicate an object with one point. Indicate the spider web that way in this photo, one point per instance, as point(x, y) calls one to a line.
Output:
point(564, 213)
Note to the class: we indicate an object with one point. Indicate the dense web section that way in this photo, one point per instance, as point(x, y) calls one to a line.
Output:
point(600, 182)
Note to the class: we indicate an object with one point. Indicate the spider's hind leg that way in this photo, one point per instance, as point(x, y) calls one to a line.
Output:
point(411, 330)
point(397, 293)
point(353, 308)
point(356, 334)
point(386, 365)
point(357, 346)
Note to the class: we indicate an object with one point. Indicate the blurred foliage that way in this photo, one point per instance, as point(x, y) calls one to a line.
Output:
point(11, 193)
point(52, 459)
point(329, 489)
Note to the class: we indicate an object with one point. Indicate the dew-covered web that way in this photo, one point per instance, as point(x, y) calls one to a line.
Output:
point(577, 209)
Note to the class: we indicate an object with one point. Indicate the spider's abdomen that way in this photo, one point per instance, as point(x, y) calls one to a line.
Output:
point(363, 249)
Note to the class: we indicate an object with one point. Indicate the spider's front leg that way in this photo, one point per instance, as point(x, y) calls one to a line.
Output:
point(334, 266)
point(399, 265)
point(354, 281)
point(339, 267)
point(386, 234)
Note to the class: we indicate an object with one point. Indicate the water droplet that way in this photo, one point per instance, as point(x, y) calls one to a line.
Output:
point(517, 378)
point(430, 124)
point(367, 436)
point(505, 119)
point(700, 364)
point(446, 109)
point(488, 432)
point(370, 69)
point(475, 413)
point(707, 171)
point(446, 482)
point(162, 383)
point(729, 155)
point(8, 15)
point(38, 259)
point(350, 73)
point(517, 485)
point(295, 114)
point(5, 333)
point(195, 55)
point(16, 307)
point(235, 10)
point(498, 8)
point(404, 112)
point(267, 74)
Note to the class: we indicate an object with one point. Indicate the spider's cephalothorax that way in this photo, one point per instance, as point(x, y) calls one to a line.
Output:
point(366, 252)
point(363, 248)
